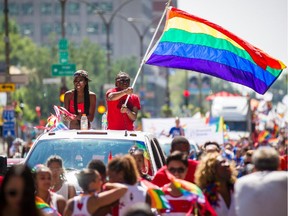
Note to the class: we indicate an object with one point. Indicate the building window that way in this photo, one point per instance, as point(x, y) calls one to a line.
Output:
point(106, 6)
point(46, 8)
point(27, 8)
point(91, 8)
point(99, 6)
point(57, 9)
point(13, 9)
point(57, 28)
point(73, 8)
point(46, 29)
point(27, 29)
point(73, 29)
point(92, 28)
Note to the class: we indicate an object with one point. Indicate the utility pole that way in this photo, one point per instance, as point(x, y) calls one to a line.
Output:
point(200, 94)
point(63, 30)
point(7, 48)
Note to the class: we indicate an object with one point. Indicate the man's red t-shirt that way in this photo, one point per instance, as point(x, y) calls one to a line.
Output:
point(117, 120)
point(161, 178)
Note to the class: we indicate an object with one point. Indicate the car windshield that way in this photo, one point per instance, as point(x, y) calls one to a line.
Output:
point(77, 153)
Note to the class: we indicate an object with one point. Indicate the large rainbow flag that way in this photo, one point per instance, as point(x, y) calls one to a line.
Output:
point(192, 43)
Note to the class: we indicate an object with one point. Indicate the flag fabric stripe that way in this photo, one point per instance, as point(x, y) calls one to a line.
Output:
point(214, 55)
point(215, 52)
point(190, 26)
point(264, 59)
point(208, 41)
point(211, 68)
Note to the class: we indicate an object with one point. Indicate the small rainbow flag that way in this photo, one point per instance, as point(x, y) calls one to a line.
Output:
point(219, 122)
point(142, 146)
point(188, 189)
point(158, 199)
point(264, 136)
point(192, 43)
point(45, 208)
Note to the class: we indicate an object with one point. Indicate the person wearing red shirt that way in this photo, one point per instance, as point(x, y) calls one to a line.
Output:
point(119, 116)
point(181, 144)
point(177, 166)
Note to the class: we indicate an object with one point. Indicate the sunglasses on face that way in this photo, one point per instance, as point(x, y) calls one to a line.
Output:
point(124, 81)
point(13, 192)
point(179, 170)
point(79, 81)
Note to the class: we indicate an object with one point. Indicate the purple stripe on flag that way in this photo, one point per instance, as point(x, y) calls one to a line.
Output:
point(210, 68)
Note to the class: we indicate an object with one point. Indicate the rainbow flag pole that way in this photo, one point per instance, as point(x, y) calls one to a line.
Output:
point(149, 47)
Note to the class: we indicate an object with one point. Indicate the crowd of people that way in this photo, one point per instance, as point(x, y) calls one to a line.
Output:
point(235, 178)
point(121, 188)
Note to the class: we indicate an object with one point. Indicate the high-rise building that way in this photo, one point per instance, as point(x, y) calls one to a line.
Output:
point(84, 19)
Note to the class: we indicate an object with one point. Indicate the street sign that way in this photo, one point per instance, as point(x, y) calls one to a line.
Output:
point(55, 80)
point(63, 57)
point(8, 114)
point(63, 44)
point(9, 129)
point(63, 70)
point(7, 87)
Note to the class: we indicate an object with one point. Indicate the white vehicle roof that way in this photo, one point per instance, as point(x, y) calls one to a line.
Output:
point(92, 134)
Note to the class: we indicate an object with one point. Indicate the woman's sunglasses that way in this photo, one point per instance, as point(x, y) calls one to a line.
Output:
point(179, 170)
point(13, 192)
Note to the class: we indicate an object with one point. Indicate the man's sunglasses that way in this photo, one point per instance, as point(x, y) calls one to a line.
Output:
point(179, 170)
point(12, 192)
point(124, 81)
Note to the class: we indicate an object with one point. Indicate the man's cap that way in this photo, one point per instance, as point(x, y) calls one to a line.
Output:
point(82, 73)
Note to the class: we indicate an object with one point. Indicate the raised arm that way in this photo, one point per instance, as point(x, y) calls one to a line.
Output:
point(113, 193)
point(117, 95)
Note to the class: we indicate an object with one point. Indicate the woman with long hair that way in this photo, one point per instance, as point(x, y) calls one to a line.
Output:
point(17, 193)
point(59, 183)
point(216, 176)
point(123, 169)
point(43, 177)
point(80, 100)
point(90, 201)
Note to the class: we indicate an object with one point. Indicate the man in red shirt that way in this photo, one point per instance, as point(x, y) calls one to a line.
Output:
point(181, 144)
point(119, 116)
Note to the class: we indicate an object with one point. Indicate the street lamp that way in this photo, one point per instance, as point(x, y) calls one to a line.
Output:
point(107, 22)
point(140, 34)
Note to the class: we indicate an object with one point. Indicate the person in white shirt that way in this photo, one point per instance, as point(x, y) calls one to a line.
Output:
point(123, 169)
point(264, 192)
point(90, 201)
point(59, 183)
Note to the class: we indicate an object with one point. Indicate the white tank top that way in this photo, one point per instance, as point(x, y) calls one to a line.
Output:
point(80, 206)
point(64, 190)
point(135, 194)
point(54, 199)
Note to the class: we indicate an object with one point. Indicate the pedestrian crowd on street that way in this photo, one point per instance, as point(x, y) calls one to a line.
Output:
point(243, 177)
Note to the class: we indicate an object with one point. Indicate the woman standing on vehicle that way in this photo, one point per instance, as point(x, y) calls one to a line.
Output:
point(59, 183)
point(80, 100)
point(17, 193)
point(42, 177)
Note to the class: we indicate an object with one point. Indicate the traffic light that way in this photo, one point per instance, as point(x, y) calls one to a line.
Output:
point(186, 95)
point(63, 89)
point(38, 111)
point(101, 107)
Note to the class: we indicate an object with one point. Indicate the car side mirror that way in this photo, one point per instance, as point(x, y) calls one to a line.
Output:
point(3, 165)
